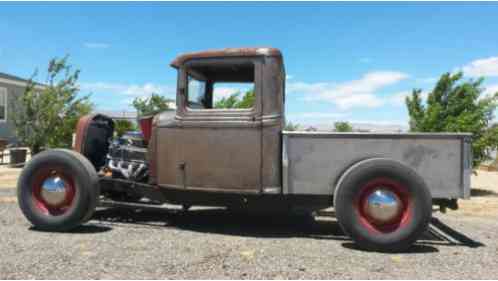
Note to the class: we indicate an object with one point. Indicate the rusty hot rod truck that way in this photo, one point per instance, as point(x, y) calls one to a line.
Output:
point(383, 186)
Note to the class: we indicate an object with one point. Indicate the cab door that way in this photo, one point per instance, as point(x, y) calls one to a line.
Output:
point(217, 148)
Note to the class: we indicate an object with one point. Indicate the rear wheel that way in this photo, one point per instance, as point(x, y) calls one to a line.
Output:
point(58, 190)
point(383, 205)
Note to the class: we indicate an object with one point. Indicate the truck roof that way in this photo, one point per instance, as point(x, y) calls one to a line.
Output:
point(228, 52)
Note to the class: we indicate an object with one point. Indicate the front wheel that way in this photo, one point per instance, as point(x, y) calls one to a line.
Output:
point(383, 205)
point(58, 190)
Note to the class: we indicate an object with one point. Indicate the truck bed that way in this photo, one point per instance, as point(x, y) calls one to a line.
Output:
point(314, 161)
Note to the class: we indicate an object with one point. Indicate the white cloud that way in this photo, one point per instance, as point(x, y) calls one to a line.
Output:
point(427, 80)
point(324, 121)
point(225, 92)
point(482, 67)
point(318, 115)
point(359, 100)
point(380, 126)
point(96, 45)
point(490, 90)
point(307, 88)
point(398, 99)
point(132, 90)
point(321, 120)
point(346, 95)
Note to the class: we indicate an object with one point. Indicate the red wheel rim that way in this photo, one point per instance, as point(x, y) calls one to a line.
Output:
point(57, 200)
point(398, 192)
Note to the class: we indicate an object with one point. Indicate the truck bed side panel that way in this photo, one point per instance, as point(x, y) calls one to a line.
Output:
point(313, 162)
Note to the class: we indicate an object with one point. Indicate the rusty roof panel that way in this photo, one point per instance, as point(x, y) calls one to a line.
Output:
point(229, 52)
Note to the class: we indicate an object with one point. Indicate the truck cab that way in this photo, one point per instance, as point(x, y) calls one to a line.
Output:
point(223, 149)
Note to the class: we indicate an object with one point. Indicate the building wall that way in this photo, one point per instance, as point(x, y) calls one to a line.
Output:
point(6, 127)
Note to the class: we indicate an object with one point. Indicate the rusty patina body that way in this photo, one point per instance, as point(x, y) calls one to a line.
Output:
point(224, 150)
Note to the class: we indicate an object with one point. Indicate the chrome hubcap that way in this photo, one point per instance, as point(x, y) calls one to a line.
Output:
point(53, 190)
point(383, 205)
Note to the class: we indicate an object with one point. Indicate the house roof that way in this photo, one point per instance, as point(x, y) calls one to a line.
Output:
point(229, 52)
point(12, 79)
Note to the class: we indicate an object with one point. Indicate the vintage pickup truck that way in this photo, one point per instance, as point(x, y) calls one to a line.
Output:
point(383, 187)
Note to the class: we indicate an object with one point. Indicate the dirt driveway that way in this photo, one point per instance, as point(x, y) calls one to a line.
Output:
point(8, 181)
point(484, 202)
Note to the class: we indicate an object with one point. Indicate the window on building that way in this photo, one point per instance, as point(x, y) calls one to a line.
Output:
point(3, 104)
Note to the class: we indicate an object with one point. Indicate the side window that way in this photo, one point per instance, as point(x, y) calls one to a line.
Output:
point(196, 93)
point(228, 85)
point(3, 104)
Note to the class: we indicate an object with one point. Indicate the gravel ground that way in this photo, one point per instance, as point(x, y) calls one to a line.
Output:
point(121, 243)
point(209, 243)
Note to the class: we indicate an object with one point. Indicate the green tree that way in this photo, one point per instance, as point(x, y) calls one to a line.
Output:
point(46, 115)
point(457, 106)
point(343, 127)
point(289, 126)
point(122, 126)
point(233, 101)
point(151, 105)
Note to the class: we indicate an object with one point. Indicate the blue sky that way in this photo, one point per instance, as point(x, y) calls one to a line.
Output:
point(352, 61)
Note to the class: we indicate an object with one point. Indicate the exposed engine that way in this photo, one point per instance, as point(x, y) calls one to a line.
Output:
point(122, 157)
point(127, 157)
